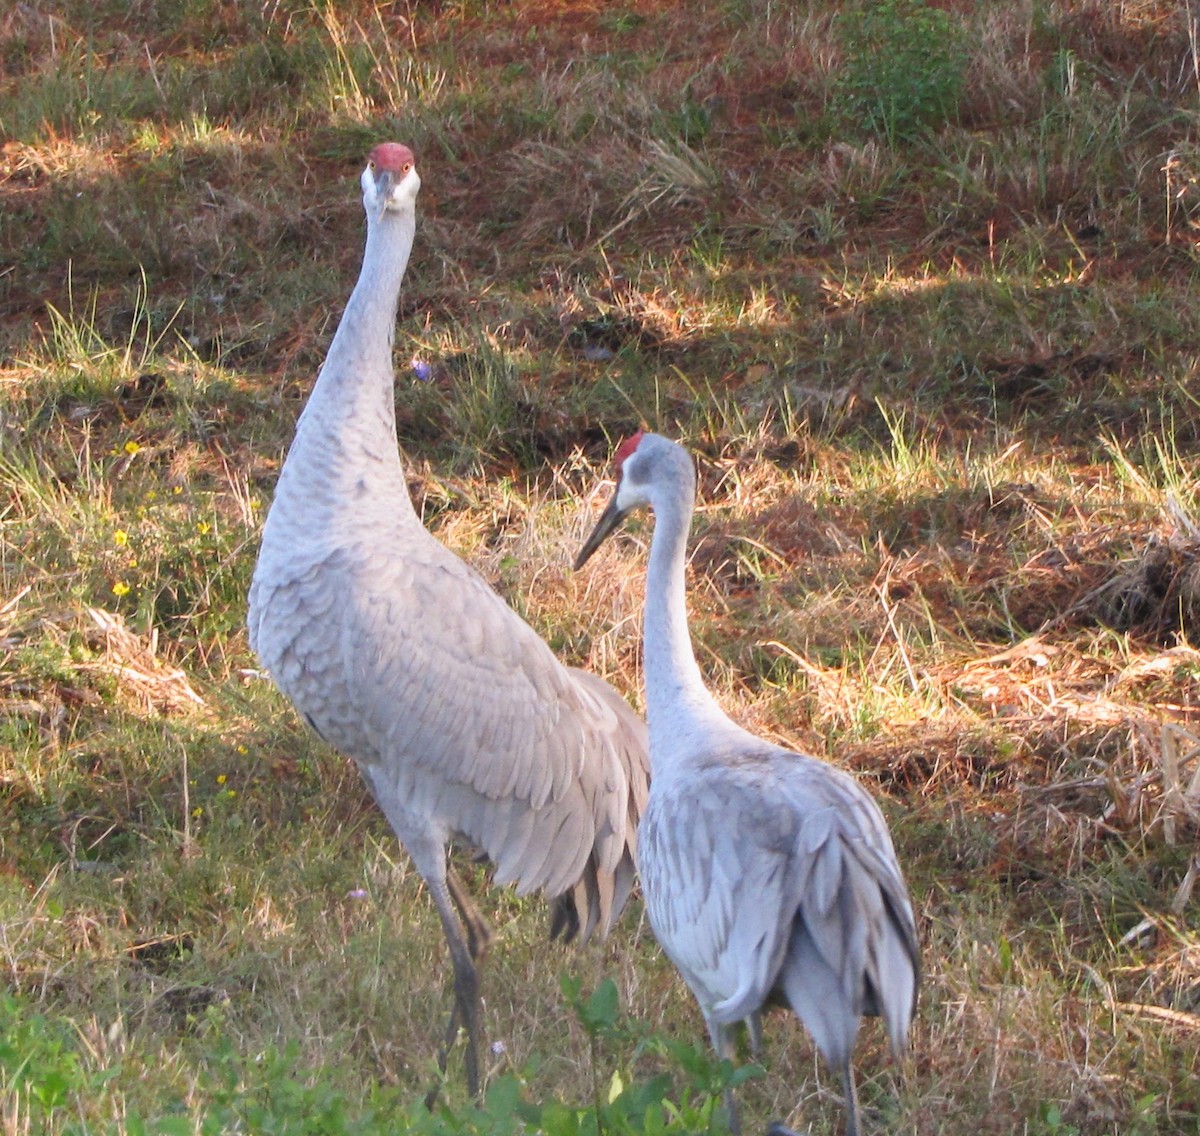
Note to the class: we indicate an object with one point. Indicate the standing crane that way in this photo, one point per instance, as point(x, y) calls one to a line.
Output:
point(769, 876)
point(401, 656)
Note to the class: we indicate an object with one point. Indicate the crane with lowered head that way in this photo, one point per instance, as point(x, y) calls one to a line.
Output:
point(401, 656)
point(769, 876)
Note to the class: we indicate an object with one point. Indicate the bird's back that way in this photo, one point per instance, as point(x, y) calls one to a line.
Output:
point(771, 875)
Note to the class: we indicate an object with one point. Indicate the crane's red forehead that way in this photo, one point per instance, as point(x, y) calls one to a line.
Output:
point(391, 156)
point(626, 448)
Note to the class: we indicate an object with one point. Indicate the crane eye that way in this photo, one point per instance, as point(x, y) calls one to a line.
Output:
point(407, 166)
point(370, 163)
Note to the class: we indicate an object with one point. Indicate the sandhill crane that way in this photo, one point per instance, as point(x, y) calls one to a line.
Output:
point(769, 876)
point(398, 654)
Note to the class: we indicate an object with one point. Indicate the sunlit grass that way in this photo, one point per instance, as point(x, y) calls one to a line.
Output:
point(941, 387)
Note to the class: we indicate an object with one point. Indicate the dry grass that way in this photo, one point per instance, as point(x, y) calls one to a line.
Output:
point(942, 393)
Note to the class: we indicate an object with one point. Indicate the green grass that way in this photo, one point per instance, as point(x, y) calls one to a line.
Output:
point(930, 330)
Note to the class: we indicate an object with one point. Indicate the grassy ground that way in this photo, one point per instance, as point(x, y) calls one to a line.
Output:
point(918, 286)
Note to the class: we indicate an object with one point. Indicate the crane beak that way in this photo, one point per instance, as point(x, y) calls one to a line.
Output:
point(610, 520)
point(385, 182)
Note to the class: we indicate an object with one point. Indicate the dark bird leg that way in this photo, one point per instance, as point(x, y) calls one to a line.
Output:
point(448, 895)
point(479, 934)
point(777, 1128)
point(722, 1039)
point(479, 938)
point(851, 1095)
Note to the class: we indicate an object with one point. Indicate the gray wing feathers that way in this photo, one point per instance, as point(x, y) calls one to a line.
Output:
point(853, 946)
point(413, 665)
point(896, 977)
point(808, 982)
point(776, 873)
point(618, 786)
point(713, 883)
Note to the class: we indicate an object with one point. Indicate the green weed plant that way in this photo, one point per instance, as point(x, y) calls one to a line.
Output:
point(904, 70)
point(46, 1075)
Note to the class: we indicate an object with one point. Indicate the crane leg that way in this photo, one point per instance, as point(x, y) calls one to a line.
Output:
point(479, 934)
point(851, 1095)
point(463, 948)
point(722, 1039)
point(754, 1029)
point(479, 938)
point(777, 1128)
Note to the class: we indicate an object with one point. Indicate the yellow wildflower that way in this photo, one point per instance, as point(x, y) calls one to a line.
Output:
point(221, 778)
point(120, 588)
point(131, 447)
point(120, 538)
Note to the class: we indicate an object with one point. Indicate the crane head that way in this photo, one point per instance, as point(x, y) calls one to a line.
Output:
point(616, 512)
point(652, 471)
point(390, 180)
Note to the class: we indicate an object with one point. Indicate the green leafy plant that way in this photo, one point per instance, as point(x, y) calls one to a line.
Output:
point(625, 1104)
point(904, 71)
point(37, 1064)
point(275, 1094)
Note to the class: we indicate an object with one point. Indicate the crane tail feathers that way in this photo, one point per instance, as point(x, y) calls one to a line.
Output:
point(593, 904)
point(815, 993)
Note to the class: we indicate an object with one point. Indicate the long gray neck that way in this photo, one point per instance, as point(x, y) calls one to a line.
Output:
point(347, 433)
point(677, 701)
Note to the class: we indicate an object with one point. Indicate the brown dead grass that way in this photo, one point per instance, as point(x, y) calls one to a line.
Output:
point(1008, 659)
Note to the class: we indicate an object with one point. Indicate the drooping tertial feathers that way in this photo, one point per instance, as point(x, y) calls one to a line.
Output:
point(401, 656)
point(768, 875)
